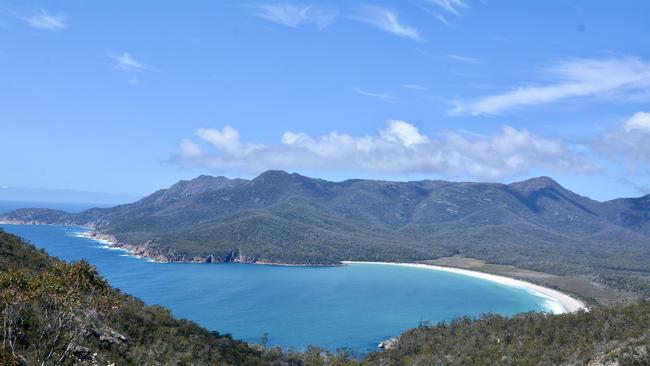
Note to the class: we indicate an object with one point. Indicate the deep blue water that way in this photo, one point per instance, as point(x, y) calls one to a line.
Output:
point(354, 306)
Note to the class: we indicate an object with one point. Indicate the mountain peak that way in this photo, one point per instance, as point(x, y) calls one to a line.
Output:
point(276, 176)
point(273, 173)
point(200, 184)
point(535, 184)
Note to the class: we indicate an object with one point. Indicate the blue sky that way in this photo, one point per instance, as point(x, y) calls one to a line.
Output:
point(128, 97)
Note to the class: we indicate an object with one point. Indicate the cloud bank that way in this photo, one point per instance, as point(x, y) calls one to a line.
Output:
point(398, 148)
point(622, 78)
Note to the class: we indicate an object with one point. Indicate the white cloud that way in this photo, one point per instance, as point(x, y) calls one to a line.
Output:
point(629, 143)
point(451, 6)
point(46, 21)
point(126, 62)
point(226, 140)
point(388, 21)
point(640, 122)
point(403, 132)
point(622, 78)
point(382, 96)
point(189, 149)
point(397, 148)
point(295, 16)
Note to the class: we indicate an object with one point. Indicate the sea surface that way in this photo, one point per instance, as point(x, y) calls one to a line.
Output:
point(354, 306)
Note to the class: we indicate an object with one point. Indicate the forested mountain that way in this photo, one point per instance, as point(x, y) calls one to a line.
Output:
point(66, 314)
point(289, 218)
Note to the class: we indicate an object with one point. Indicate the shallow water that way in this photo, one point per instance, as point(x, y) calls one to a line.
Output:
point(353, 306)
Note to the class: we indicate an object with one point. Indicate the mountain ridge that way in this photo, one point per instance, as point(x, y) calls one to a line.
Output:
point(281, 217)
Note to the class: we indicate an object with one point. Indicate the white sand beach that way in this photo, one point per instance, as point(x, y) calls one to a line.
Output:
point(558, 302)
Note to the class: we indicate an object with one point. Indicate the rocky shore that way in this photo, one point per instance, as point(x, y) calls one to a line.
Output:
point(390, 343)
point(151, 251)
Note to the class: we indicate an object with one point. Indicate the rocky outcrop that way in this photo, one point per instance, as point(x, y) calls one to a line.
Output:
point(390, 343)
point(110, 336)
point(151, 250)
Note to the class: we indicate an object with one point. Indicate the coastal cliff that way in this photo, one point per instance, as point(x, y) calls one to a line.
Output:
point(151, 251)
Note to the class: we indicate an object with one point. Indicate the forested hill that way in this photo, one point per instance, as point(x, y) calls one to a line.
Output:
point(280, 217)
point(617, 336)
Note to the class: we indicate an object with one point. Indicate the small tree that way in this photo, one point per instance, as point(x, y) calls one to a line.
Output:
point(50, 313)
point(14, 301)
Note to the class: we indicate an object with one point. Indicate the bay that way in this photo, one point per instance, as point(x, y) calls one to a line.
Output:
point(354, 306)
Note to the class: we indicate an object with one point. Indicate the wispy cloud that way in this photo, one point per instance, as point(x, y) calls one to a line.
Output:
point(436, 14)
point(399, 147)
point(382, 96)
point(126, 62)
point(621, 78)
point(442, 19)
point(414, 87)
point(451, 6)
point(134, 81)
point(295, 15)
point(469, 60)
point(387, 21)
point(46, 21)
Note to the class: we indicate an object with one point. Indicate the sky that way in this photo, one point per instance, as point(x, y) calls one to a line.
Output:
point(127, 97)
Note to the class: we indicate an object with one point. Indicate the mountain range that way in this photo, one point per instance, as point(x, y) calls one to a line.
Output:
point(279, 217)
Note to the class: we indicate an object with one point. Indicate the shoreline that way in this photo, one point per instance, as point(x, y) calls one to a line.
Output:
point(568, 304)
point(561, 302)
point(111, 243)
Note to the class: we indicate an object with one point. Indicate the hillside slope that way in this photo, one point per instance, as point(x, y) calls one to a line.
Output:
point(607, 336)
point(62, 314)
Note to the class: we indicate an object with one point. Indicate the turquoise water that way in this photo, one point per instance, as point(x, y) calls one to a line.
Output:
point(353, 306)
